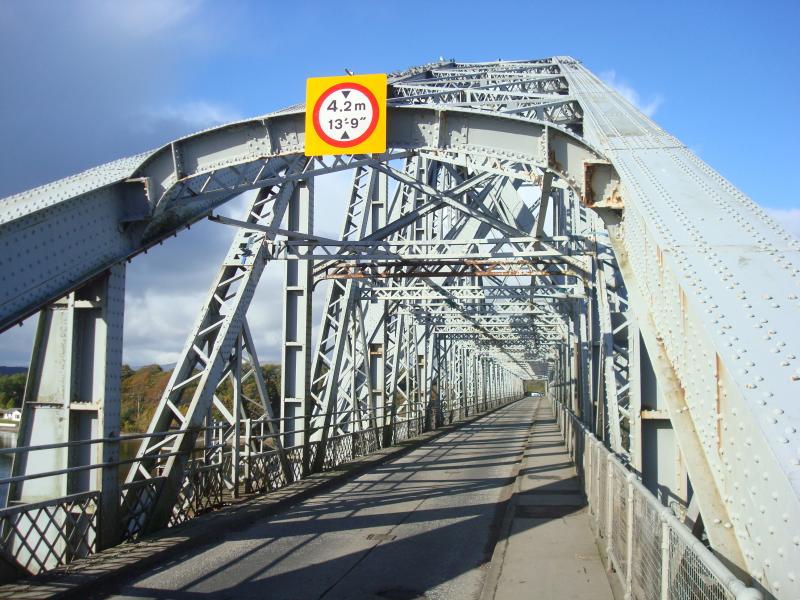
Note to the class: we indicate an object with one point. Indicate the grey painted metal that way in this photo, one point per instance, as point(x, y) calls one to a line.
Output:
point(296, 358)
point(135, 203)
point(649, 550)
point(73, 392)
point(537, 222)
point(206, 359)
point(714, 281)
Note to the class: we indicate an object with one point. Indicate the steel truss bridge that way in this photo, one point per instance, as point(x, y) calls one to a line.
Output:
point(525, 221)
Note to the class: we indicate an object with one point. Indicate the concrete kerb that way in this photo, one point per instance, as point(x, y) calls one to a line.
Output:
point(83, 577)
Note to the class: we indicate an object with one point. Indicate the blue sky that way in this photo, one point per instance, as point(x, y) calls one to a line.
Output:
point(87, 81)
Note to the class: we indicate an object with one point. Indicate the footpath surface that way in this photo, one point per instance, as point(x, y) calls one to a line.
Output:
point(547, 549)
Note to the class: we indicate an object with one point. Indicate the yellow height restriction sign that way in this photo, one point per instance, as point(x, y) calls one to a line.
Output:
point(346, 115)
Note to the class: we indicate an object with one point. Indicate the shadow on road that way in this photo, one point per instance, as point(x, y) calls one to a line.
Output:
point(428, 520)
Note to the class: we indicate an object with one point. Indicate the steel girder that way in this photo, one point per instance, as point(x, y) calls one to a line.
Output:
point(710, 279)
point(650, 329)
point(182, 192)
point(211, 353)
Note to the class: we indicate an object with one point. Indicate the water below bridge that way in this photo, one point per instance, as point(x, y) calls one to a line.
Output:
point(8, 439)
point(490, 510)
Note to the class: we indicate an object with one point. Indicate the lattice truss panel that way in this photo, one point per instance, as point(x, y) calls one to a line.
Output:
point(525, 220)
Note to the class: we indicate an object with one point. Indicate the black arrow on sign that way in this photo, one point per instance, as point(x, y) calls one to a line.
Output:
point(345, 136)
point(345, 93)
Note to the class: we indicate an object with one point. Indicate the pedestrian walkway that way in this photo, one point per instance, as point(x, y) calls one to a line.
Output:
point(547, 549)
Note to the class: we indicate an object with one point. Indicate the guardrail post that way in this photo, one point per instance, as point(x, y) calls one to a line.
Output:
point(248, 444)
point(571, 430)
point(109, 517)
point(588, 468)
point(664, 558)
point(237, 417)
point(570, 433)
point(609, 512)
point(629, 558)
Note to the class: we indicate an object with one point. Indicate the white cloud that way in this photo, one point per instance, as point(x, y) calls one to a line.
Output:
point(155, 324)
point(190, 116)
point(118, 68)
point(648, 107)
point(94, 80)
point(139, 18)
point(788, 218)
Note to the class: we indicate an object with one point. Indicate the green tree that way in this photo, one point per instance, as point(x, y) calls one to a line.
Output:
point(12, 388)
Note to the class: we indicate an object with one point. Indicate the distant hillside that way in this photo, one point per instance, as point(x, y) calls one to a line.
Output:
point(141, 391)
point(535, 385)
point(12, 370)
point(12, 386)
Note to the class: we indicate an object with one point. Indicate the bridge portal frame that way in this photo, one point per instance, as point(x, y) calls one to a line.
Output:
point(152, 196)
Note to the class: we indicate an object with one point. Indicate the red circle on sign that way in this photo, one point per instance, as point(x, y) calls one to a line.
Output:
point(355, 141)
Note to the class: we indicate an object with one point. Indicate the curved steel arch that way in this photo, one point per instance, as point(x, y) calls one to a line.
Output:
point(113, 212)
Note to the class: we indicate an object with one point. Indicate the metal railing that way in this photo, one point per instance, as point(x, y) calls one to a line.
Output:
point(40, 536)
point(653, 554)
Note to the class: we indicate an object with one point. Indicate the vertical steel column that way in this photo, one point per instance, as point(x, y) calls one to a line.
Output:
point(350, 378)
point(426, 379)
point(296, 360)
point(475, 387)
point(585, 370)
point(441, 381)
point(392, 362)
point(73, 393)
point(378, 211)
point(363, 397)
point(238, 415)
point(465, 385)
point(484, 388)
point(377, 368)
point(634, 393)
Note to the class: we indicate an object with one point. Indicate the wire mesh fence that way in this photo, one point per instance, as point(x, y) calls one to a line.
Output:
point(648, 549)
point(44, 535)
point(618, 528)
point(646, 539)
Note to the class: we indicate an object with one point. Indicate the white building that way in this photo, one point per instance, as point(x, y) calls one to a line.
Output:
point(14, 414)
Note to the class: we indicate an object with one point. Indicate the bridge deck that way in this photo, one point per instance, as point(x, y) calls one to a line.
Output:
point(424, 525)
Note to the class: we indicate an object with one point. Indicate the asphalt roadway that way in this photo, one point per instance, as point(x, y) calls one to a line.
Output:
point(421, 526)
